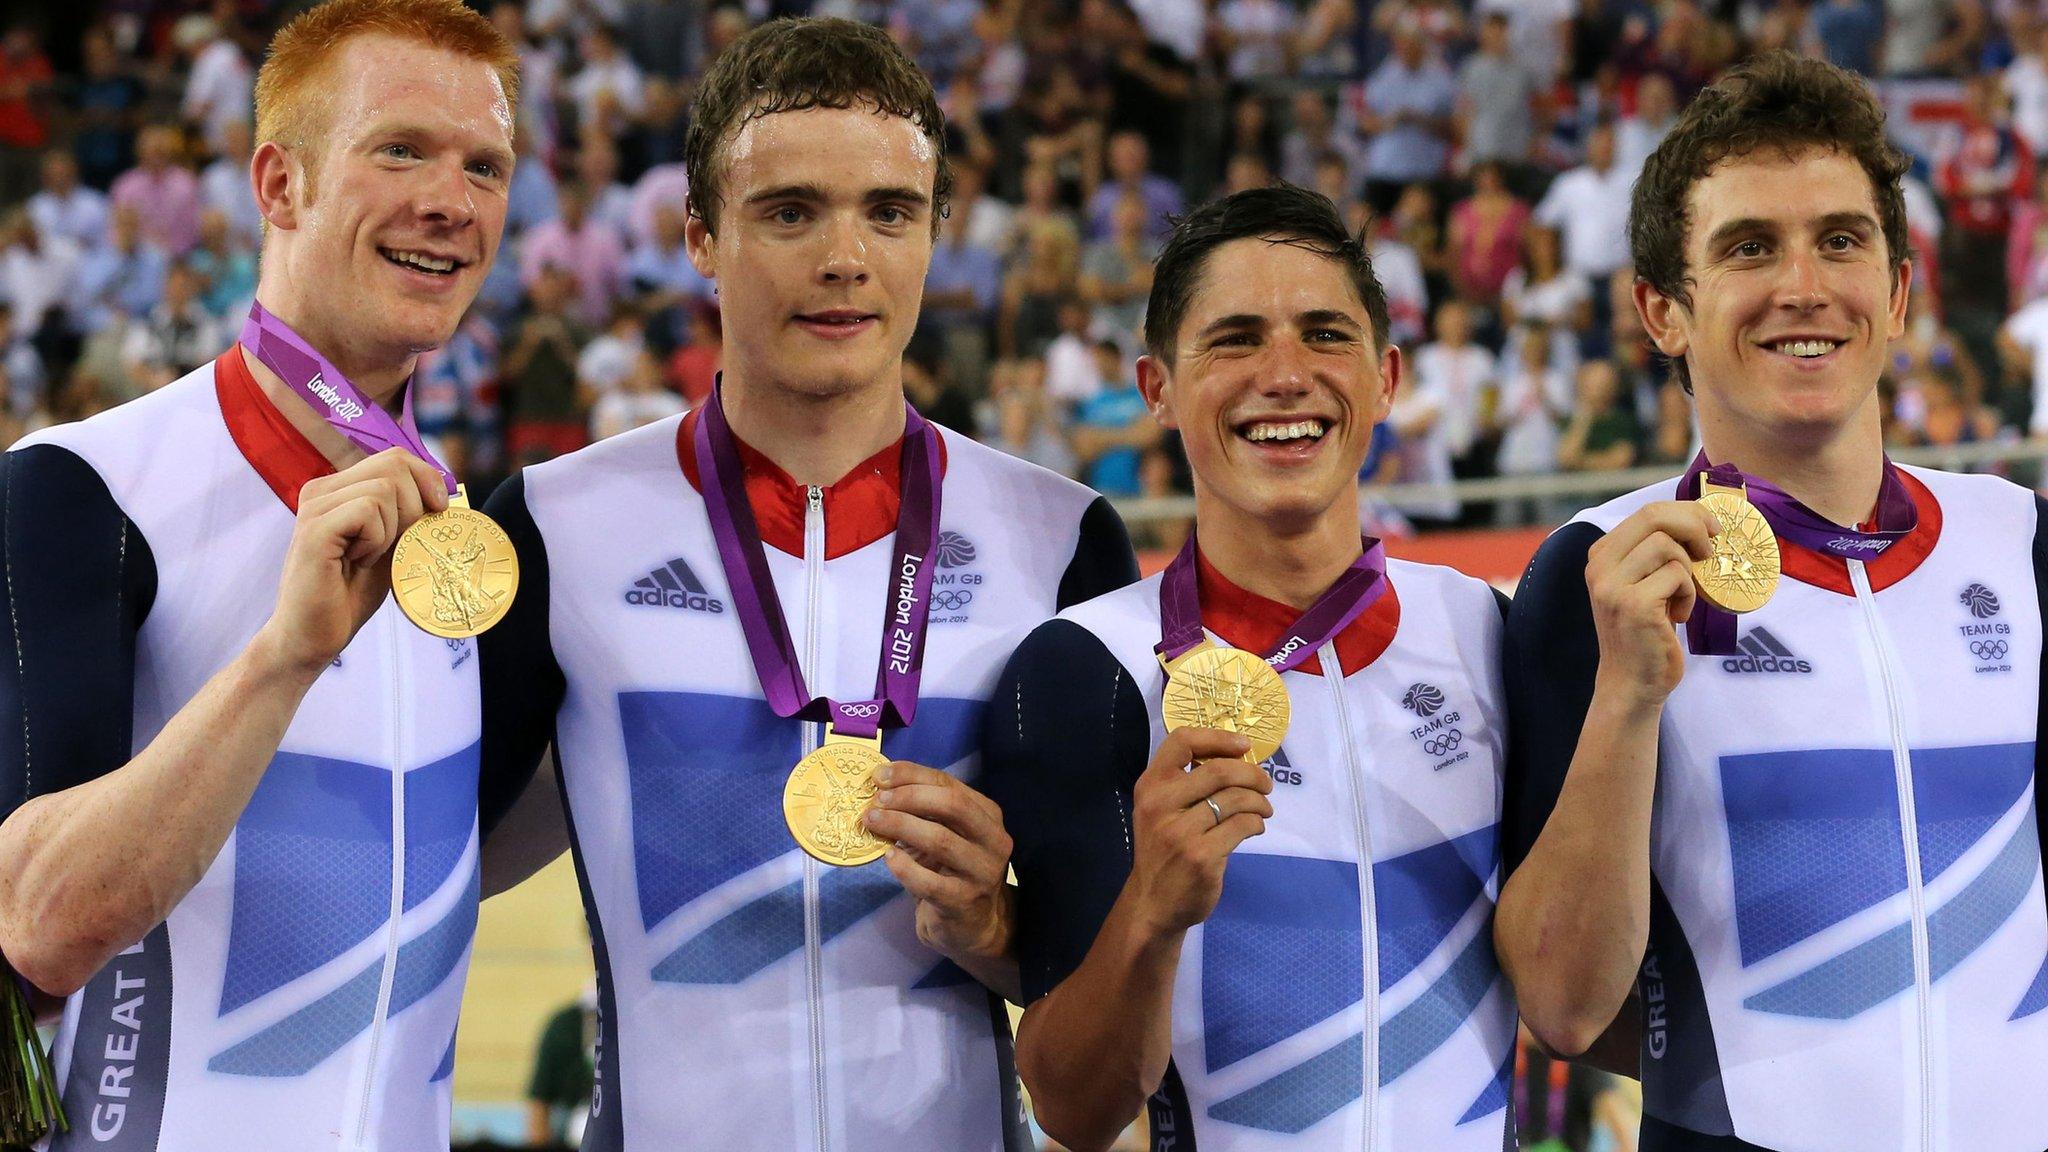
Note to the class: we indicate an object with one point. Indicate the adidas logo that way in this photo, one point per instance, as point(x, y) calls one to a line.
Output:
point(1763, 652)
point(673, 585)
point(1279, 768)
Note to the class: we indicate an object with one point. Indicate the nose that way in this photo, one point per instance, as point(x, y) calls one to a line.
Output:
point(446, 197)
point(845, 259)
point(1802, 285)
point(1290, 372)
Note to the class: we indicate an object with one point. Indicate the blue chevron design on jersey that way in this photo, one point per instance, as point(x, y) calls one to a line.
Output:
point(1494, 1096)
point(698, 761)
point(2036, 997)
point(1422, 1027)
point(1793, 816)
point(298, 1043)
point(446, 1067)
point(1278, 915)
point(763, 931)
point(1880, 968)
point(1296, 1099)
point(1419, 897)
point(313, 861)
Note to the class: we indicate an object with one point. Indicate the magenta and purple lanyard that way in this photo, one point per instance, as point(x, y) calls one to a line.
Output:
point(1359, 588)
point(320, 384)
point(1710, 631)
point(753, 586)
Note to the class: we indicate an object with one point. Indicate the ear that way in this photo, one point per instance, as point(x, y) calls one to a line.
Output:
point(1901, 293)
point(1392, 364)
point(274, 176)
point(701, 245)
point(1155, 382)
point(1667, 322)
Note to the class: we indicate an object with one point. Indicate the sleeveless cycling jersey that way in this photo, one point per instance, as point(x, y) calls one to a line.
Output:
point(749, 996)
point(303, 995)
point(1847, 926)
point(1343, 996)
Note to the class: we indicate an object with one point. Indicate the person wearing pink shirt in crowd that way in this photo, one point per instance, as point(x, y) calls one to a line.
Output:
point(587, 248)
point(164, 192)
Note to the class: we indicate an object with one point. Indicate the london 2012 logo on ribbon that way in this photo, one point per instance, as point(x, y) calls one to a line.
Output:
point(1989, 640)
point(955, 583)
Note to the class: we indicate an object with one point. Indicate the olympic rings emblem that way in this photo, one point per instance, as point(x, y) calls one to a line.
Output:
point(1448, 742)
point(862, 711)
point(1988, 649)
point(951, 599)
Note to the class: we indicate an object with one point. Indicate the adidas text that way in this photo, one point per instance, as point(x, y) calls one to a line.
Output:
point(1764, 664)
point(694, 601)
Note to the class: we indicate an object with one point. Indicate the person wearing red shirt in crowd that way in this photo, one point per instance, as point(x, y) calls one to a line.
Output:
point(25, 78)
point(1988, 170)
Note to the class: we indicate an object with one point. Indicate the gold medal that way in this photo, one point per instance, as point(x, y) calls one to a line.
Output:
point(1742, 573)
point(827, 795)
point(1230, 690)
point(454, 572)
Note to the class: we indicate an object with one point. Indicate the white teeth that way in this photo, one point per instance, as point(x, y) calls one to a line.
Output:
point(1313, 429)
point(422, 261)
point(1806, 348)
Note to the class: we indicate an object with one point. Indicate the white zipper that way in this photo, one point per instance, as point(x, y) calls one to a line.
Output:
point(814, 735)
point(1902, 770)
point(1368, 912)
point(395, 661)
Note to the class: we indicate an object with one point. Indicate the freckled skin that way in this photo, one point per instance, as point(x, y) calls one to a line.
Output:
point(417, 156)
point(1283, 364)
point(845, 242)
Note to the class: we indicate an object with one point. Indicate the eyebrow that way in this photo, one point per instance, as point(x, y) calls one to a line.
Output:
point(1313, 318)
point(1863, 221)
point(815, 193)
point(502, 157)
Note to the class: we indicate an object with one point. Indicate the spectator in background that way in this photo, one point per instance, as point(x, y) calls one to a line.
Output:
point(177, 336)
point(962, 289)
point(548, 411)
point(1534, 395)
point(66, 208)
point(1111, 430)
point(121, 280)
point(2026, 82)
point(588, 249)
point(1930, 37)
point(37, 274)
point(1496, 99)
point(1484, 244)
point(224, 185)
point(103, 110)
point(1850, 33)
point(1408, 112)
point(163, 191)
point(21, 364)
point(1026, 422)
point(1440, 23)
point(659, 272)
point(1040, 186)
point(1071, 371)
point(530, 200)
point(989, 222)
point(597, 168)
point(1456, 379)
point(1252, 131)
point(1312, 137)
point(604, 363)
point(1588, 206)
point(454, 399)
point(1672, 442)
point(1402, 273)
point(221, 88)
point(1641, 131)
point(558, 1093)
point(26, 80)
point(1044, 279)
point(940, 35)
point(225, 267)
point(1539, 32)
point(1116, 276)
point(933, 393)
point(607, 90)
point(637, 400)
point(1256, 38)
point(1130, 173)
point(1541, 292)
point(1601, 433)
point(664, 186)
point(1984, 174)
point(693, 367)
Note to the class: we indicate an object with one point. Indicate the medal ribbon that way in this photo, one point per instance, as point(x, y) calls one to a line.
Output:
point(753, 586)
point(1359, 588)
point(320, 384)
point(1710, 631)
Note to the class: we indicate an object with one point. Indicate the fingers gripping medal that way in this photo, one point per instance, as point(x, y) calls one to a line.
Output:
point(1232, 690)
point(827, 796)
point(454, 573)
point(1742, 574)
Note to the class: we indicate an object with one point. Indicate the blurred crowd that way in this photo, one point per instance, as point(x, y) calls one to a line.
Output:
point(1487, 147)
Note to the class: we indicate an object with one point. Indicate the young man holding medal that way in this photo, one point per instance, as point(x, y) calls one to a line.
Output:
point(762, 638)
point(1807, 834)
point(242, 784)
point(1276, 932)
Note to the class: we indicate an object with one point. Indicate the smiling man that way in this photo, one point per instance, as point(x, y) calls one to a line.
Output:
point(243, 787)
point(762, 637)
point(1281, 946)
point(1809, 834)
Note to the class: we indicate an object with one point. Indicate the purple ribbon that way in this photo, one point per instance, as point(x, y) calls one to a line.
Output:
point(320, 384)
point(1359, 588)
point(745, 560)
point(1710, 631)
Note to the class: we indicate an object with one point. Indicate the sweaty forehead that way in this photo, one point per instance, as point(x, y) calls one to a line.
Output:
point(855, 148)
point(376, 81)
point(1782, 191)
point(1275, 281)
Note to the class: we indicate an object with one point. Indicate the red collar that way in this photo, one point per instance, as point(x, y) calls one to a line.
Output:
point(1891, 566)
point(1250, 621)
point(859, 509)
point(280, 453)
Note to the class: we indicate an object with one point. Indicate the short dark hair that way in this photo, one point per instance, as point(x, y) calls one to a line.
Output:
point(1278, 214)
point(793, 64)
point(1776, 102)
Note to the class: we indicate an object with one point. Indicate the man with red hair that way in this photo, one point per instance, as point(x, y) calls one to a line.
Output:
point(242, 838)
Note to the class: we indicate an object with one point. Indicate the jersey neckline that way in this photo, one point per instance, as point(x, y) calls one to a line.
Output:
point(860, 508)
point(1831, 573)
point(1254, 623)
point(279, 453)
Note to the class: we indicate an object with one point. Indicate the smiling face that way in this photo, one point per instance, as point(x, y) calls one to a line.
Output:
point(1275, 386)
point(1794, 300)
point(824, 237)
point(381, 238)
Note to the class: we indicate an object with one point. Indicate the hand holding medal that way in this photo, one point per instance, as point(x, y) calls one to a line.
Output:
point(1742, 574)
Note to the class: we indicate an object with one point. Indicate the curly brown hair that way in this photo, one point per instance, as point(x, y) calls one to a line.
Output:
point(789, 65)
point(1776, 102)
